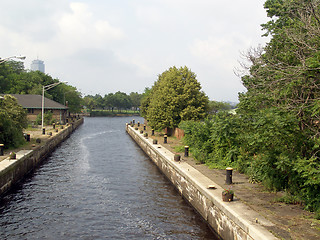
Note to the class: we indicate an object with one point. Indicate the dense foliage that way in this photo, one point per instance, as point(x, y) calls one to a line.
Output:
point(174, 97)
point(275, 135)
point(14, 79)
point(12, 122)
point(119, 100)
point(215, 106)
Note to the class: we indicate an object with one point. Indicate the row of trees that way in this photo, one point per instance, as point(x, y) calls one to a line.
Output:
point(274, 137)
point(111, 101)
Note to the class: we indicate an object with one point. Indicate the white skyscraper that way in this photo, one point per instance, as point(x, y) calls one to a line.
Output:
point(37, 65)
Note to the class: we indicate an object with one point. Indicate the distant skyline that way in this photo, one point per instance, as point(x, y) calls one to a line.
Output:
point(103, 46)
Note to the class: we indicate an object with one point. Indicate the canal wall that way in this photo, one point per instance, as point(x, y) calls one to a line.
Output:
point(230, 220)
point(14, 170)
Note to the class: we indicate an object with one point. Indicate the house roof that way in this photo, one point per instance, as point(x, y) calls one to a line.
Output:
point(35, 101)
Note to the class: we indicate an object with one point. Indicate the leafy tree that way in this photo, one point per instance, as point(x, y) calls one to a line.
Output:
point(215, 106)
point(110, 101)
point(12, 122)
point(89, 102)
point(135, 99)
point(145, 102)
point(99, 102)
point(69, 96)
point(175, 96)
point(121, 100)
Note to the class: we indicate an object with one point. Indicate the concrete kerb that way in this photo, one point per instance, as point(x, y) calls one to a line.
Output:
point(244, 217)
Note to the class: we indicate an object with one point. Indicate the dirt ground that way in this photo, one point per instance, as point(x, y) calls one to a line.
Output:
point(290, 221)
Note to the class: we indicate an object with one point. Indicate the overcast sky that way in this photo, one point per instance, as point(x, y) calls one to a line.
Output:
point(103, 46)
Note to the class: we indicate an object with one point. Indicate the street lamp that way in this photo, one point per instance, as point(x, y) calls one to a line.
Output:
point(45, 88)
point(8, 58)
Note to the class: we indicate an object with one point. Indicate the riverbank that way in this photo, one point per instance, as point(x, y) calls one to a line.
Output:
point(285, 221)
point(32, 153)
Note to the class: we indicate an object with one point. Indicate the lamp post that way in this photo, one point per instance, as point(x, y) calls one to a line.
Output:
point(8, 58)
point(45, 88)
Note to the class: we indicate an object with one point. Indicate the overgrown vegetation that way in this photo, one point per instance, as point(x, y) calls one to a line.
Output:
point(274, 137)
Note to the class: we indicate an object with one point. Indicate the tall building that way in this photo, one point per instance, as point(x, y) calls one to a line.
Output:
point(37, 65)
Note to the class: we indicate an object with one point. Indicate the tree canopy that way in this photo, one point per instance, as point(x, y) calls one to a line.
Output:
point(14, 79)
point(174, 97)
point(12, 122)
point(119, 100)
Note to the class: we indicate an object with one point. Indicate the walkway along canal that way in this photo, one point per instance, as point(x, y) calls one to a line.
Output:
point(231, 220)
point(98, 185)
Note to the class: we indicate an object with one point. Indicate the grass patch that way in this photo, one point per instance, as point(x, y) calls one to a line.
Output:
point(289, 199)
point(179, 148)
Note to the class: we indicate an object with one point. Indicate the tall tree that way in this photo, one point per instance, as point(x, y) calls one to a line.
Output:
point(135, 99)
point(286, 73)
point(175, 96)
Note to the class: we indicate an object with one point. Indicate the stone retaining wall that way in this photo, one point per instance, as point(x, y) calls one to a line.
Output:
point(232, 220)
point(13, 171)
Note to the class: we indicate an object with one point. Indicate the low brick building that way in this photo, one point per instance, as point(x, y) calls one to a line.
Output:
point(33, 105)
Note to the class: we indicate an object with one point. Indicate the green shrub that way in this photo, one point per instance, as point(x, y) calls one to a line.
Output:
point(12, 122)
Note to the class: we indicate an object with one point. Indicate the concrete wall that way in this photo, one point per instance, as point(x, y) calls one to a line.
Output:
point(12, 171)
point(230, 220)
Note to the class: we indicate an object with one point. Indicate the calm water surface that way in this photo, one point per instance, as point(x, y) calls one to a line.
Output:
point(98, 185)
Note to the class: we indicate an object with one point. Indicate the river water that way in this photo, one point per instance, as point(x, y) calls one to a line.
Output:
point(98, 185)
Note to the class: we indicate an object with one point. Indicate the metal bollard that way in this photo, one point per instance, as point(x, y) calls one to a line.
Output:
point(138, 124)
point(43, 131)
point(1, 149)
point(165, 139)
point(133, 121)
point(54, 126)
point(152, 132)
point(229, 175)
point(144, 127)
point(186, 151)
point(28, 137)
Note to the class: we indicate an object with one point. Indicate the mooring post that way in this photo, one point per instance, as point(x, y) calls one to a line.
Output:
point(186, 151)
point(229, 175)
point(165, 139)
point(1, 149)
